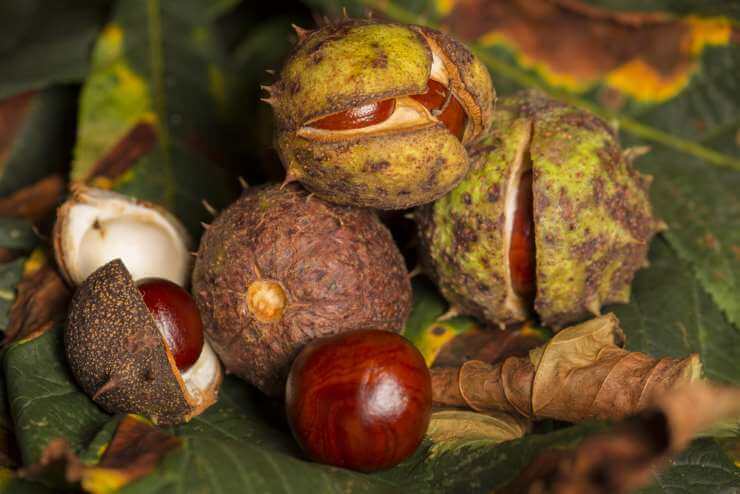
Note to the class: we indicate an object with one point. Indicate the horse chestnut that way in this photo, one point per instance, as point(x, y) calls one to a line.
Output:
point(555, 195)
point(379, 115)
point(359, 400)
point(177, 318)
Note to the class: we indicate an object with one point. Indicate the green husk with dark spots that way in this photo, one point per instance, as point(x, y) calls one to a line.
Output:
point(356, 62)
point(592, 217)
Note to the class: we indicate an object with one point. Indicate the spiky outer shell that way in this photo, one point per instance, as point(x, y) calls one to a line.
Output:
point(592, 217)
point(117, 354)
point(346, 65)
point(336, 266)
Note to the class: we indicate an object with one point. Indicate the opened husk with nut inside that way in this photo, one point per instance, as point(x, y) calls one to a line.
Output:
point(553, 220)
point(379, 115)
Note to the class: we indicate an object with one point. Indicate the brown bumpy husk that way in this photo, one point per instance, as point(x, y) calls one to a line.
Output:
point(279, 268)
point(581, 373)
point(118, 356)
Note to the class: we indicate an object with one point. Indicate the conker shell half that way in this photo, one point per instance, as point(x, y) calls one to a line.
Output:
point(410, 159)
point(279, 268)
point(592, 217)
point(119, 358)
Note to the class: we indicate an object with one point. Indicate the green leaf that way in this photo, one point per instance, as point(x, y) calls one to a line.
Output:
point(37, 135)
point(702, 469)
point(10, 275)
point(16, 233)
point(13, 485)
point(44, 401)
point(42, 43)
point(671, 314)
point(150, 116)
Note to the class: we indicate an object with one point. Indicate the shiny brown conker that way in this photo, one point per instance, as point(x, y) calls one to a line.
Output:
point(360, 400)
point(522, 247)
point(177, 318)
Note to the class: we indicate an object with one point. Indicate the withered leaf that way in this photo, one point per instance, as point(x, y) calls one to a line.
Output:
point(625, 458)
point(134, 451)
point(41, 302)
point(34, 202)
point(581, 373)
point(454, 426)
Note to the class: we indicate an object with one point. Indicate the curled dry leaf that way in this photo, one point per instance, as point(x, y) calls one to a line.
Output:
point(40, 303)
point(134, 451)
point(453, 426)
point(625, 458)
point(35, 202)
point(581, 373)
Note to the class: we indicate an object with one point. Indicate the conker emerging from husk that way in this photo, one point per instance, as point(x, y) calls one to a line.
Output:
point(377, 114)
point(553, 220)
point(119, 346)
point(359, 400)
point(279, 268)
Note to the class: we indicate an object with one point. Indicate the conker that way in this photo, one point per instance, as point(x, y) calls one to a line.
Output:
point(177, 318)
point(437, 99)
point(360, 400)
point(522, 247)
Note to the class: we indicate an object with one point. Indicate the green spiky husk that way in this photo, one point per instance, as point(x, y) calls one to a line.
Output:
point(384, 172)
point(355, 62)
point(592, 217)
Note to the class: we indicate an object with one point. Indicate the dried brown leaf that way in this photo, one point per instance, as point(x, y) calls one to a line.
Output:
point(574, 44)
point(451, 426)
point(35, 202)
point(134, 451)
point(581, 373)
point(626, 458)
point(40, 303)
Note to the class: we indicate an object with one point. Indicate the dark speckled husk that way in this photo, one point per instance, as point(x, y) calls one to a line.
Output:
point(112, 338)
point(338, 266)
point(355, 62)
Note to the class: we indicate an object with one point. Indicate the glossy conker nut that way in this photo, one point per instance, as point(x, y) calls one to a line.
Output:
point(360, 400)
point(436, 99)
point(522, 247)
point(177, 318)
point(360, 116)
point(451, 112)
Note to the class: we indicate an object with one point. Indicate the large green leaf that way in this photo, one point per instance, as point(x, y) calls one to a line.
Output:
point(17, 234)
point(671, 314)
point(46, 42)
point(44, 401)
point(150, 114)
